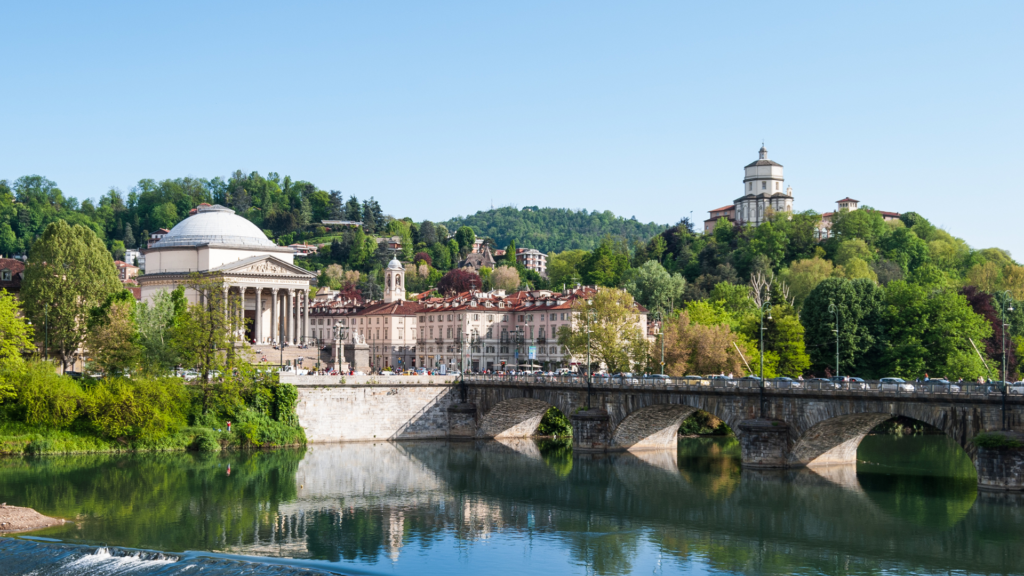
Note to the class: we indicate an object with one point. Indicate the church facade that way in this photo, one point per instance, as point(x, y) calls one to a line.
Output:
point(763, 185)
point(272, 292)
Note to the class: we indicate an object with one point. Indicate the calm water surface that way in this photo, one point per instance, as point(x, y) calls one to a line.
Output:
point(911, 506)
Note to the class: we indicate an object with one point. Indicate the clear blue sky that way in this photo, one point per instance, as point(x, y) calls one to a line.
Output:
point(439, 108)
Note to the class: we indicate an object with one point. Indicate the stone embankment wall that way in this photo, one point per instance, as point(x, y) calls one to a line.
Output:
point(346, 408)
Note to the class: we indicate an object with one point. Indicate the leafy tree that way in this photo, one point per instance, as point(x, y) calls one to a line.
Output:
point(565, 267)
point(616, 338)
point(858, 303)
point(505, 278)
point(465, 238)
point(459, 281)
point(853, 248)
point(69, 272)
point(985, 306)
point(769, 241)
point(113, 336)
point(692, 348)
point(653, 287)
point(803, 276)
point(353, 210)
point(905, 248)
point(865, 223)
point(856, 268)
point(784, 335)
point(423, 257)
point(15, 340)
point(428, 233)
point(155, 321)
point(606, 265)
point(203, 334)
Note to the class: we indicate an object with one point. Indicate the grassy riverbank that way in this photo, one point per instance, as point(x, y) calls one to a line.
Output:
point(53, 414)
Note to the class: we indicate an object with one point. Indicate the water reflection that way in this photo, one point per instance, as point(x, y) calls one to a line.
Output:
point(460, 508)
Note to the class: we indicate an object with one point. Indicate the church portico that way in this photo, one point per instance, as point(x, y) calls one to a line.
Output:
point(261, 285)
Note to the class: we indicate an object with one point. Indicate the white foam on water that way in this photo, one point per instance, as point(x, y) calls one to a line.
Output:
point(103, 562)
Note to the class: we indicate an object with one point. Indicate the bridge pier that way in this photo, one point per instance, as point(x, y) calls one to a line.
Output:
point(462, 420)
point(1001, 468)
point(764, 443)
point(591, 430)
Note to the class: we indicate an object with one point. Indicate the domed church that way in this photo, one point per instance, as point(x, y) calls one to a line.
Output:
point(275, 291)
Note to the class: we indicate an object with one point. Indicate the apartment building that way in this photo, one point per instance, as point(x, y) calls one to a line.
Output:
point(533, 260)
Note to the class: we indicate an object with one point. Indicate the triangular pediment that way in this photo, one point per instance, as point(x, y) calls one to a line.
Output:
point(263, 266)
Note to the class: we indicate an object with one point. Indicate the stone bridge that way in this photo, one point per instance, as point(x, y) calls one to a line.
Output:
point(799, 426)
point(796, 426)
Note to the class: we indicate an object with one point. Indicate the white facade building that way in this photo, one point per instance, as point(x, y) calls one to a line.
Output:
point(764, 189)
point(273, 292)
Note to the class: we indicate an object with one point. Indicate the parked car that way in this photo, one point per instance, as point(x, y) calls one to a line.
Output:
point(783, 383)
point(694, 381)
point(658, 378)
point(386, 373)
point(895, 384)
point(1016, 388)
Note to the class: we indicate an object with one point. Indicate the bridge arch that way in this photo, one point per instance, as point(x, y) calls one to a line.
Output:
point(513, 418)
point(822, 438)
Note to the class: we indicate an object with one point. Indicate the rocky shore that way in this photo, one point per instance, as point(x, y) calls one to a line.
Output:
point(18, 519)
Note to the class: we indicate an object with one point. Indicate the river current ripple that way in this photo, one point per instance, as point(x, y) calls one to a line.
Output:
point(512, 507)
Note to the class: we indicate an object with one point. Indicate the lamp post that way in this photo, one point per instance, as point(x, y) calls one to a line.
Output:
point(46, 332)
point(661, 332)
point(518, 335)
point(835, 311)
point(590, 372)
point(765, 306)
point(1004, 309)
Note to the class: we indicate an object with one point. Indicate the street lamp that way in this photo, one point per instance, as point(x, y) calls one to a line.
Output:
point(766, 306)
point(661, 332)
point(833, 310)
point(590, 372)
point(1005, 308)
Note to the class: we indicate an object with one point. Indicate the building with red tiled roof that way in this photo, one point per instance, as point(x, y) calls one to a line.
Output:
point(12, 273)
point(849, 204)
point(126, 272)
point(488, 330)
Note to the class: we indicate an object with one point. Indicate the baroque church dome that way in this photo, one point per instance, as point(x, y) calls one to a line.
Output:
point(215, 225)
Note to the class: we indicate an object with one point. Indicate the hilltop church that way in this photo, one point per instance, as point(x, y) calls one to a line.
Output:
point(763, 190)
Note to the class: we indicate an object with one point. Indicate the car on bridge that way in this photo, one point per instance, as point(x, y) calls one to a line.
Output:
point(851, 382)
point(783, 383)
point(658, 379)
point(941, 385)
point(893, 384)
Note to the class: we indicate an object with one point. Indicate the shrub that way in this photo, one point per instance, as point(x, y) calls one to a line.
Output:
point(555, 423)
point(992, 441)
point(206, 441)
point(141, 409)
point(703, 423)
point(45, 398)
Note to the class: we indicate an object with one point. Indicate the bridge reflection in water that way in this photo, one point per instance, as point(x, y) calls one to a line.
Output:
point(459, 508)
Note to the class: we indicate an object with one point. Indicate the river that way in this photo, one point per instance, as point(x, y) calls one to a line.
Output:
point(911, 506)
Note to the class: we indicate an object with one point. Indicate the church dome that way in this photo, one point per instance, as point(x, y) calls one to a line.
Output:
point(215, 225)
point(395, 265)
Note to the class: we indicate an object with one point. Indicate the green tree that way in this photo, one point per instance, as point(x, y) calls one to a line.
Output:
point(784, 335)
point(465, 238)
point(203, 333)
point(15, 340)
point(69, 272)
point(606, 265)
point(653, 287)
point(155, 321)
point(565, 267)
point(803, 276)
point(113, 336)
point(865, 223)
point(905, 248)
point(616, 337)
point(858, 303)
point(692, 348)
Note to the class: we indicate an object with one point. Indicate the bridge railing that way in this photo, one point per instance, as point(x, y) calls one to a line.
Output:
point(872, 387)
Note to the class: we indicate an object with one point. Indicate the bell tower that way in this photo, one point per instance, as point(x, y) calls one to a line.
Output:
point(394, 282)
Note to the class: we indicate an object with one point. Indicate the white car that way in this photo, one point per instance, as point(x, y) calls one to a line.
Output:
point(659, 378)
point(894, 384)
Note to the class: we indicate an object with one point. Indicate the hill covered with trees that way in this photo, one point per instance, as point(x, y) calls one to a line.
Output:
point(553, 229)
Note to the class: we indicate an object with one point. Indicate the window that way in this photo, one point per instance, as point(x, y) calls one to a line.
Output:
point(460, 317)
point(750, 185)
point(421, 332)
point(520, 317)
point(529, 317)
point(431, 317)
point(540, 332)
point(476, 317)
point(431, 331)
point(490, 317)
point(449, 317)
point(776, 185)
point(763, 184)
point(554, 316)
point(504, 317)
point(531, 332)
point(490, 333)
point(449, 332)
point(504, 349)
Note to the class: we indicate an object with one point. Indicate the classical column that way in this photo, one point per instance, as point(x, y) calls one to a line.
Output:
point(305, 310)
point(257, 329)
point(273, 314)
point(241, 310)
point(290, 312)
